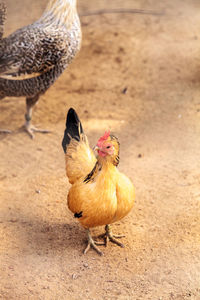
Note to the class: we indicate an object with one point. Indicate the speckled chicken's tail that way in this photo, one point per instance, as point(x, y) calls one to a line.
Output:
point(73, 128)
point(2, 18)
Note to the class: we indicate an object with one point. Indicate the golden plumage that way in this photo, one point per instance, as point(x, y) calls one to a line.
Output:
point(104, 200)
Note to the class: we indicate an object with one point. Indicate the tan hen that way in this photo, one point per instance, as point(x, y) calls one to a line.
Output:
point(100, 194)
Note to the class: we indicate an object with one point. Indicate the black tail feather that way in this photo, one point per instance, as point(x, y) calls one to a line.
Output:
point(73, 128)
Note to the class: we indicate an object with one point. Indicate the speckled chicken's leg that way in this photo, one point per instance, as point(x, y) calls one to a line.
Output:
point(30, 102)
point(112, 238)
point(92, 243)
point(5, 131)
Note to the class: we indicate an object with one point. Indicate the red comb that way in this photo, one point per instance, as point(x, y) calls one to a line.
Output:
point(104, 137)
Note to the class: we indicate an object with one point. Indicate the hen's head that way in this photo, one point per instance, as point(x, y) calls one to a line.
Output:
point(108, 148)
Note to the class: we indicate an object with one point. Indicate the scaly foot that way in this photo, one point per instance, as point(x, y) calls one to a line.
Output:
point(30, 129)
point(5, 131)
point(112, 238)
point(92, 244)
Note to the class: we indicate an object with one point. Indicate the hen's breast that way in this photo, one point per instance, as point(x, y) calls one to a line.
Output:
point(96, 200)
point(41, 51)
point(125, 193)
point(107, 199)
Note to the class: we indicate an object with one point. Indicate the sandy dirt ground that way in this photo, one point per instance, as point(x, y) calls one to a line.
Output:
point(157, 59)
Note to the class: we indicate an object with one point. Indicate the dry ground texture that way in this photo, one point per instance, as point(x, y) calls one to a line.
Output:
point(157, 58)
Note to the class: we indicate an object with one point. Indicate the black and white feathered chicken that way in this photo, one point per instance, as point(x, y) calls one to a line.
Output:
point(33, 57)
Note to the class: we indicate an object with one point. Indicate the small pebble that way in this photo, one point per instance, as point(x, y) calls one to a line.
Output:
point(124, 91)
point(74, 276)
point(85, 265)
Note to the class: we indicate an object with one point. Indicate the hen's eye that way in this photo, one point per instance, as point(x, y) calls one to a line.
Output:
point(108, 147)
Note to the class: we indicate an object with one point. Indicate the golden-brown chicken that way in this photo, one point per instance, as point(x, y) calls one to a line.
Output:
point(100, 194)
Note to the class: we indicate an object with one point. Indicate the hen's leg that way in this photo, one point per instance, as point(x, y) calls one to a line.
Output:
point(92, 243)
point(112, 238)
point(30, 102)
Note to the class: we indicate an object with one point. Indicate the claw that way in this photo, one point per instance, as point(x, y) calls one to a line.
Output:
point(92, 244)
point(5, 131)
point(112, 238)
point(30, 129)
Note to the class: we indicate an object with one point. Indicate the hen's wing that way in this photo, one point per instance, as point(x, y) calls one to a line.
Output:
point(2, 18)
point(80, 159)
point(32, 49)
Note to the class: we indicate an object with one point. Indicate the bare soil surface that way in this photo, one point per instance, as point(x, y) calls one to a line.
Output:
point(157, 59)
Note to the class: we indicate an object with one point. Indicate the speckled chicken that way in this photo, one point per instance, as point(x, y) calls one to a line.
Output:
point(100, 194)
point(33, 57)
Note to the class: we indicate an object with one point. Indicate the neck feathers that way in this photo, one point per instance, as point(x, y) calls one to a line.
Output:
point(108, 161)
point(60, 12)
point(55, 4)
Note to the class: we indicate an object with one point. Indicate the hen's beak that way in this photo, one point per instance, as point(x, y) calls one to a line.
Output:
point(96, 148)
